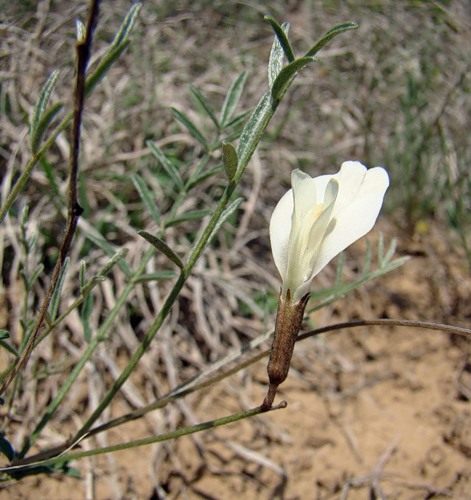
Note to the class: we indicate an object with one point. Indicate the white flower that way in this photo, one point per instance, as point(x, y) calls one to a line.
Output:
point(319, 217)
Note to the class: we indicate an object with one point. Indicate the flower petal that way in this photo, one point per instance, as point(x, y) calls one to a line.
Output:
point(280, 228)
point(357, 207)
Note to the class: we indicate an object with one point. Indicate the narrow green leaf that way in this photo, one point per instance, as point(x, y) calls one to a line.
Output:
point(116, 48)
point(46, 119)
point(190, 126)
point(206, 106)
point(115, 259)
point(71, 471)
point(281, 35)
point(224, 216)
point(87, 286)
point(333, 32)
point(162, 247)
point(82, 275)
point(390, 251)
point(230, 159)
point(286, 76)
point(232, 99)
point(43, 99)
point(36, 273)
point(254, 128)
point(339, 273)
point(197, 171)
point(56, 296)
point(101, 243)
point(161, 275)
point(127, 25)
point(187, 216)
point(147, 197)
point(9, 348)
point(194, 181)
point(168, 166)
point(275, 63)
point(103, 66)
point(381, 250)
point(327, 297)
point(51, 175)
point(237, 119)
point(85, 313)
point(6, 448)
point(4, 334)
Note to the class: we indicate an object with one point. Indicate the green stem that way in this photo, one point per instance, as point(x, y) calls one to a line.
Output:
point(185, 431)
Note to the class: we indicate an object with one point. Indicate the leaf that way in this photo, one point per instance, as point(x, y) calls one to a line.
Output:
point(46, 119)
point(103, 66)
point(115, 259)
point(286, 76)
point(187, 216)
point(161, 275)
point(36, 273)
point(71, 471)
point(281, 35)
point(333, 32)
point(127, 25)
point(101, 243)
point(82, 275)
point(168, 166)
point(381, 250)
point(237, 119)
point(41, 105)
point(254, 129)
point(339, 272)
point(190, 126)
point(56, 296)
point(6, 448)
point(54, 190)
point(390, 251)
point(85, 313)
point(275, 63)
point(4, 334)
point(147, 197)
point(232, 99)
point(206, 106)
point(117, 47)
point(162, 247)
point(9, 348)
point(230, 159)
point(194, 181)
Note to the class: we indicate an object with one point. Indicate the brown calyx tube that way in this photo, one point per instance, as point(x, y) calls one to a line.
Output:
point(289, 319)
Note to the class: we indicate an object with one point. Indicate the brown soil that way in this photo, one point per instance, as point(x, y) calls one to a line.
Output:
point(372, 413)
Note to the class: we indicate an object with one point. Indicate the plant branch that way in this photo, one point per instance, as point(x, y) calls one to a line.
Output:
point(74, 210)
point(43, 460)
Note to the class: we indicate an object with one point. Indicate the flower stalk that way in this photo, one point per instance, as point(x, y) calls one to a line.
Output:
point(289, 319)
